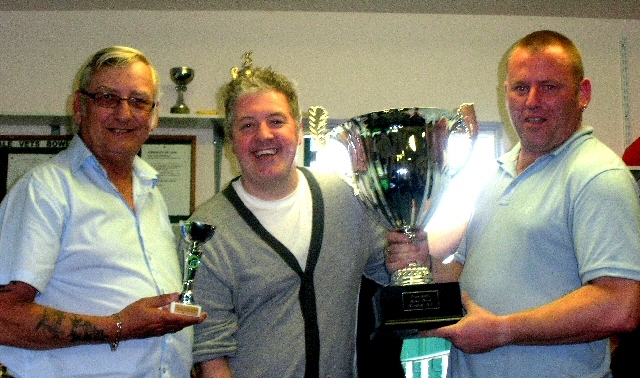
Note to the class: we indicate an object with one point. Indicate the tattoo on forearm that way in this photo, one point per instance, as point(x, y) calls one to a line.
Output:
point(81, 330)
point(51, 323)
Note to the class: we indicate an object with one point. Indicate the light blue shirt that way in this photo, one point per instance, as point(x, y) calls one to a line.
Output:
point(569, 218)
point(67, 231)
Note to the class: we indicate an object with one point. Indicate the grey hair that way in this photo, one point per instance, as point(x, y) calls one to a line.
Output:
point(114, 56)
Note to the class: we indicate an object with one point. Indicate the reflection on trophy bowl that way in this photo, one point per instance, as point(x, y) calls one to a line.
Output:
point(401, 162)
point(181, 76)
point(195, 234)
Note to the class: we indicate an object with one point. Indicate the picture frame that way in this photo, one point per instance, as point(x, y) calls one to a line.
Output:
point(173, 156)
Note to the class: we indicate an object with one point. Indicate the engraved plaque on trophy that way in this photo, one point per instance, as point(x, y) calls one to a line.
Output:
point(195, 234)
point(400, 170)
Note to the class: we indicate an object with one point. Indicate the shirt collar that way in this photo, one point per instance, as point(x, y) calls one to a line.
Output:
point(509, 160)
point(80, 155)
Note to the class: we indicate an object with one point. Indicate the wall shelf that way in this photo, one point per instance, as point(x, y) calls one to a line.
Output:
point(180, 121)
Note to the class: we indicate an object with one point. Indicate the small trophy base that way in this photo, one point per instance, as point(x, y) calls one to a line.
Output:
point(180, 109)
point(406, 310)
point(185, 309)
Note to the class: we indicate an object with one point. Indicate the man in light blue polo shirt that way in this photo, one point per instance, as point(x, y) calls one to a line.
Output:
point(550, 261)
point(88, 261)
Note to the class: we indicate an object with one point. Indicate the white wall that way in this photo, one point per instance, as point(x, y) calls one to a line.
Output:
point(350, 63)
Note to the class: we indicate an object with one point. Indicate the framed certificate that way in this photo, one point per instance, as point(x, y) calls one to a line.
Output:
point(173, 156)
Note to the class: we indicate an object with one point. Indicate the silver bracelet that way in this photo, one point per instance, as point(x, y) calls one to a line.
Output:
point(114, 344)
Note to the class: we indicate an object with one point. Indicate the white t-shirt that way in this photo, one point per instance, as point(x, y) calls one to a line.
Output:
point(287, 219)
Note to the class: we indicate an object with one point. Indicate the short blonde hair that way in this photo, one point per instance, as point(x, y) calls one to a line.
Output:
point(541, 39)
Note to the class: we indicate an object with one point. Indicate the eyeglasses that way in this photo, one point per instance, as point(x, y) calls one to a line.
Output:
point(111, 100)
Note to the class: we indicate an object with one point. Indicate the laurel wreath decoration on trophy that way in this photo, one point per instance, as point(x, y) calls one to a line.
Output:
point(246, 69)
point(318, 119)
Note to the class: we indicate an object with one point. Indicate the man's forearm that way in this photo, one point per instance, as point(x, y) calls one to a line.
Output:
point(216, 368)
point(595, 311)
point(449, 272)
point(25, 324)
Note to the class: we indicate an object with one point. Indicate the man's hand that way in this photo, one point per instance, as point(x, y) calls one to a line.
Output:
point(478, 331)
point(402, 250)
point(149, 317)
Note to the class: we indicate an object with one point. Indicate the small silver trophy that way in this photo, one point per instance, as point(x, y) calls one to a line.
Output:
point(195, 234)
point(400, 167)
point(181, 76)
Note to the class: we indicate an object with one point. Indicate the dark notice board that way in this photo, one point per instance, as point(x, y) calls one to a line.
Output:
point(173, 156)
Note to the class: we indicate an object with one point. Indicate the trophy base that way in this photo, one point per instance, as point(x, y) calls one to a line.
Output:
point(185, 309)
point(406, 310)
point(180, 109)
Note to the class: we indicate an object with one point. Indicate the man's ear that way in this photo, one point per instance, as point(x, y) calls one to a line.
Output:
point(300, 133)
point(78, 108)
point(155, 118)
point(585, 93)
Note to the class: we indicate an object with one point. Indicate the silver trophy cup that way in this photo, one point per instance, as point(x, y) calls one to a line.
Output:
point(400, 163)
point(181, 76)
point(195, 234)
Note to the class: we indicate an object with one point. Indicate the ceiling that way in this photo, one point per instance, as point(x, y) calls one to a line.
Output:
point(614, 9)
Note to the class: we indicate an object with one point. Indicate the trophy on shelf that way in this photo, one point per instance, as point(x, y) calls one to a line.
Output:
point(195, 234)
point(401, 160)
point(181, 76)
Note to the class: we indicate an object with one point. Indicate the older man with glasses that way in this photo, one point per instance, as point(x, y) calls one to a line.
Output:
point(88, 260)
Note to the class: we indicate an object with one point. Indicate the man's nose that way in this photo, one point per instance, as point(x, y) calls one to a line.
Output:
point(533, 97)
point(123, 109)
point(264, 131)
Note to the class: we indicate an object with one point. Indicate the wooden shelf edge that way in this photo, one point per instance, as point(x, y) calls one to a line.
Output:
point(182, 121)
